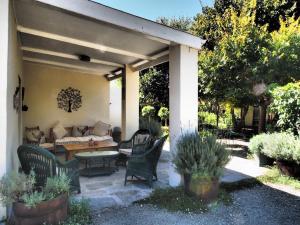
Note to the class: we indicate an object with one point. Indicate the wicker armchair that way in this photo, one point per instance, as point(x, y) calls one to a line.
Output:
point(141, 136)
point(143, 165)
point(45, 165)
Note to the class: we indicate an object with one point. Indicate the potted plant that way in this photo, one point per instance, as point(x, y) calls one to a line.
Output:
point(200, 160)
point(285, 149)
point(31, 205)
point(256, 146)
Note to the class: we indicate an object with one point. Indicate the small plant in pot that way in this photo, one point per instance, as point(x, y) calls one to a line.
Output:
point(201, 161)
point(31, 205)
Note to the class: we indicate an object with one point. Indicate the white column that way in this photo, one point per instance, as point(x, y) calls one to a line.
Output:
point(183, 97)
point(4, 16)
point(130, 102)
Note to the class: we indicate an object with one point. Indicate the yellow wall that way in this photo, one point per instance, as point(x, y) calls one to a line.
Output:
point(249, 117)
point(43, 83)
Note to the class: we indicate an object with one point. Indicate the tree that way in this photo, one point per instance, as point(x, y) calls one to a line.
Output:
point(286, 104)
point(148, 111)
point(163, 113)
point(154, 87)
point(249, 56)
point(180, 23)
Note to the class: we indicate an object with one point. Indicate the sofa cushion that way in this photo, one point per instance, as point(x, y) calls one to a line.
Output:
point(76, 140)
point(78, 131)
point(101, 129)
point(59, 131)
point(126, 151)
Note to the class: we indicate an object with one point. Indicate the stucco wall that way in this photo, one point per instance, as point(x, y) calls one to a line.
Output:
point(14, 118)
point(10, 68)
point(115, 109)
point(43, 83)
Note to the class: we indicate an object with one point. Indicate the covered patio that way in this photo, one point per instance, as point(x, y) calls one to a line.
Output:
point(87, 45)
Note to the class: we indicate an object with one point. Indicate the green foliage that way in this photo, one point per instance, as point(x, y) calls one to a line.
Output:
point(256, 143)
point(180, 23)
point(154, 87)
point(56, 186)
point(31, 200)
point(286, 104)
point(202, 157)
point(148, 111)
point(152, 125)
point(80, 213)
point(175, 199)
point(163, 113)
point(14, 185)
point(19, 187)
point(282, 146)
point(276, 177)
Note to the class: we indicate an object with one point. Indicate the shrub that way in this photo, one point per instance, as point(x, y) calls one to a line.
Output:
point(256, 143)
point(282, 146)
point(31, 200)
point(19, 187)
point(163, 113)
point(202, 157)
point(79, 213)
point(286, 105)
point(14, 185)
point(153, 126)
point(148, 111)
point(56, 186)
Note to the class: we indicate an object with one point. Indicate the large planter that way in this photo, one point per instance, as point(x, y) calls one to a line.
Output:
point(263, 160)
point(289, 168)
point(51, 212)
point(206, 189)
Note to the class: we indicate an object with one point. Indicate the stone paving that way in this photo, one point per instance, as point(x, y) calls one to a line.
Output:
point(108, 191)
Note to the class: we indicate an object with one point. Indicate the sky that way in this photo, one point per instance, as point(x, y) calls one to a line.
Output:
point(153, 9)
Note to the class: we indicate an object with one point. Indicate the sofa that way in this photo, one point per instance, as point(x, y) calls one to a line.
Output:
point(87, 134)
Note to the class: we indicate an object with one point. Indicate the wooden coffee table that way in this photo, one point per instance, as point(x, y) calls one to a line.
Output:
point(72, 149)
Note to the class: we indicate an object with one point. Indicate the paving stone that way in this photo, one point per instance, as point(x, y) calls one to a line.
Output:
point(98, 185)
point(104, 202)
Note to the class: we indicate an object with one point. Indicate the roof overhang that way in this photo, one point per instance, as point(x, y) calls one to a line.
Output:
point(56, 32)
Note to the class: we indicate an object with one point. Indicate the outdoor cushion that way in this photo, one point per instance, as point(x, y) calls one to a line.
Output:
point(59, 131)
point(126, 151)
point(101, 129)
point(76, 140)
point(140, 139)
point(78, 131)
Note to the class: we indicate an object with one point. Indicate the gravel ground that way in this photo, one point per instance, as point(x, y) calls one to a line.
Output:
point(259, 205)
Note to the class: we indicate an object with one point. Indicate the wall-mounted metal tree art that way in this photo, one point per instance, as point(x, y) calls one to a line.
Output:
point(69, 99)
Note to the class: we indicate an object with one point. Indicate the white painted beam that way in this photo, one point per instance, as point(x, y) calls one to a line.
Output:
point(144, 64)
point(82, 43)
point(118, 18)
point(48, 62)
point(68, 56)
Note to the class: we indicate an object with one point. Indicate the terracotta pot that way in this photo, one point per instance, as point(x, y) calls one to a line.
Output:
point(206, 189)
point(51, 212)
point(264, 160)
point(289, 168)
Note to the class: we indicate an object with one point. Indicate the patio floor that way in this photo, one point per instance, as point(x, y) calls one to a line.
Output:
point(108, 191)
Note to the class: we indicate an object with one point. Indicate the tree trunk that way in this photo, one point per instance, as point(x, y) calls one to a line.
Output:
point(218, 114)
point(262, 118)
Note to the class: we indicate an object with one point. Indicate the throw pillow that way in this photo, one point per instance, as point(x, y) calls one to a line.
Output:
point(101, 129)
point(33, 134)
point(76, 132)
point(59, 131)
